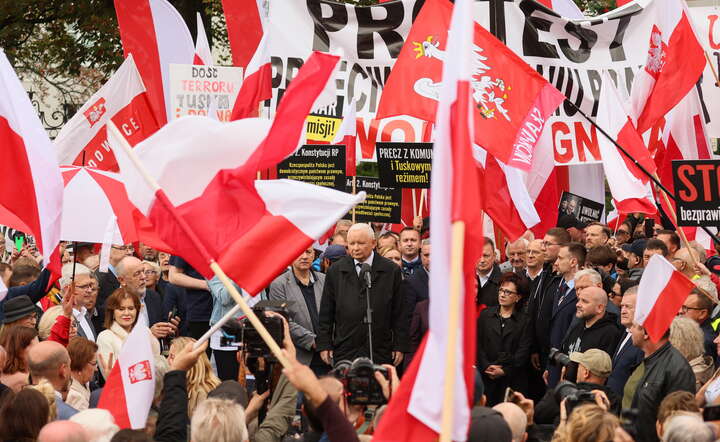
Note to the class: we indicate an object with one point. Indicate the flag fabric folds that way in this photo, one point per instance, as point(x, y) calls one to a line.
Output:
point(124, 100)
point(156, 35)
point(32, 196)
point(130, 387)
point(661, 293)
point(415, 413)
point(512, 101)
point(203, 54)
point(244, 26)
point(257, 81)
point(347, 135)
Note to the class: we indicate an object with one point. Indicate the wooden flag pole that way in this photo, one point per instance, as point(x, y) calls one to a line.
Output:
point(414, 198)
point(229, 286)
point(712, 69)
point(456, 277)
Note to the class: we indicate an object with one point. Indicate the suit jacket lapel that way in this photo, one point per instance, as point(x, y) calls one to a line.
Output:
point(297, 296)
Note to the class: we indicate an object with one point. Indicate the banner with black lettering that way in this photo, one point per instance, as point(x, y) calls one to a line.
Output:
point(697, 187)
point(405, 165)
point(382, 204)
point(571, 55)
point(322, 165)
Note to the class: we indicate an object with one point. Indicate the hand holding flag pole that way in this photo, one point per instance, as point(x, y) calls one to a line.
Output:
point(192, 236)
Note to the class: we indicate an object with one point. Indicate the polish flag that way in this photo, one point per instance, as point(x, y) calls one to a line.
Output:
point(566, 8)
point(130, 387)
point(244, 20)
point(257, 83)
point(32, 196)
point(156, 35)
point(203, 54)
point(674, 64)
point(415, 410)
point(629, 186)
point(661, 293)
point(83, 139)
point(347, 135)
point(215, 192)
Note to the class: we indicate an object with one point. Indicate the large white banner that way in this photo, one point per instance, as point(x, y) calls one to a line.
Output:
point(707, 26)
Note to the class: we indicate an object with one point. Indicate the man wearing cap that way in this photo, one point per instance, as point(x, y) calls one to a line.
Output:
point(574, 227)
point(594, 367)
point(634, 254)
point(302, 289)
point(331, 254)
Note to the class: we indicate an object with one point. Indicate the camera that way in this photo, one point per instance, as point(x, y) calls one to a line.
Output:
point(573, 395)
point(242, 333)
point(358, 378)
point(558, 358)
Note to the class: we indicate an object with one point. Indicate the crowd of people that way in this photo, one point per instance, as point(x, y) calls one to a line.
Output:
point(559, 356)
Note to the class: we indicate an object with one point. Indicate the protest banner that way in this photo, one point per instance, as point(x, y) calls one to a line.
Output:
point(707, 25)
point(322, 165)
point(195, 90)
point(381, 205)
point(585, 210)
point(405, 165)
point(697, 188)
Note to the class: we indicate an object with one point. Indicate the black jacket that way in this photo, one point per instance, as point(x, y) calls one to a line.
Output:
point(666, 371)
point(539, 308)
point(488, 294)
point(108, 283)
point(547, 411)
point(342, 312)
point(172, 420)
point(624, 362)
point(498, 340)
point(154, 306)
point(415, 289)
point(603, 335)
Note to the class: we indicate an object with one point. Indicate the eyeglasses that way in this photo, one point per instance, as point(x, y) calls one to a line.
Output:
point(150, 272)
point(506, 292)
point(685, 308)
point(124, 248)
point(621, 232)
point(87, 287)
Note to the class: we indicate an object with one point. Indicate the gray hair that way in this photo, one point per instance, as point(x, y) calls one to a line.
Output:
point(522, 240)
point(594, 276)
point(99, 424)
point(362, 227)
point(687, 427)
point(687, 337)
point(218, 419)
point(425, 242)
point(67, 273)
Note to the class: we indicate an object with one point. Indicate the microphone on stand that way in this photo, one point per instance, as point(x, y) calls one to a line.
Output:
point(365, 275)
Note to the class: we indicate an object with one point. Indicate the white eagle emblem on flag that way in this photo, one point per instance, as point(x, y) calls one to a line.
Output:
point(656, 53)
point(140, 372)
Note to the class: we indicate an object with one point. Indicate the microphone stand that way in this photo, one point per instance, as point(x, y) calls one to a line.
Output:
point(367, 283)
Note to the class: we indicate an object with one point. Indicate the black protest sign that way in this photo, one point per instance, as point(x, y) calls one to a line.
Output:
point(382, 204)
point(320, 164)
point(583, 209)
point(405, 165)
point(697, 188)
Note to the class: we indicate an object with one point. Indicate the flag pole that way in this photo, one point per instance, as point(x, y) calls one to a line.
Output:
point(354, 190)
point(652, 177)
point(456, 277)
point(229, 286)
point(712, 69)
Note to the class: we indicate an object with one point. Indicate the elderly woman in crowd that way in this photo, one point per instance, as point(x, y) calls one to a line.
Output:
point(201, 379)
point(121, 316)
point(16, 342)
point(83, 366)
point(19, 312)
point(687, 337)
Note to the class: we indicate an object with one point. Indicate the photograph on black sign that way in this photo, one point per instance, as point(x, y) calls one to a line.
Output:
point(382, 204)
point(697, 188)
point(405, 165)
point(319, 164)
point(582, 209)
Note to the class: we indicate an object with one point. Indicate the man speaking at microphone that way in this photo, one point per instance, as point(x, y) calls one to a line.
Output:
point(344, 319)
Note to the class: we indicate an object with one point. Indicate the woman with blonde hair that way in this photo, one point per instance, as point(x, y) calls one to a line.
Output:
point(587, 423)
point(200, 378)
point(687, 337)
point(391, 253)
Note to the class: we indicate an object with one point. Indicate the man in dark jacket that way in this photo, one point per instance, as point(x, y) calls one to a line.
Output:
point(416, 290)
point(665, 371)
point(343, 331)
point(488, 274)
point(108, 280)
point(627, 357)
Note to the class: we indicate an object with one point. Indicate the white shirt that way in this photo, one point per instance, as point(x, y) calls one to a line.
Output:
point(144, 319)
point(368, 261)
point(483, 279)
point(81, 318)
point(624, 341)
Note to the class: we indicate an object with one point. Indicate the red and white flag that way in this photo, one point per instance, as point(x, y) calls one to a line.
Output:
point(257, 83)
point(214, 187)
point(630, 187)
point(566, 8)
point(156, 35)
point(347, 135)
point(124, 100)
point(32, 196)
point(512, 100)
point(661, 293)
point(203, 53)
point(130, 387)
point(674, 64)
point(244, 20)
point(415, 410)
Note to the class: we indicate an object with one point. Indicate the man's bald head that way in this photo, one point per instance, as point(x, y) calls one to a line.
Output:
point(46, 359)
point(598, 295)
point(63, 431)
point(591, 305)
point(515, 418)
point(683, 261)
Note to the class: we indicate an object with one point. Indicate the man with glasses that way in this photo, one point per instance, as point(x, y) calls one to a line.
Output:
point(623, 234)
point(517, 255)
point(108, 280)
point(698, 306)
point(83, 292)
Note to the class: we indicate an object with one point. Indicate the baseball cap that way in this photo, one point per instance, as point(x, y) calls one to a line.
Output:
point(637, 247)
point(489, 425)
point(334, 252)
point(595, 360)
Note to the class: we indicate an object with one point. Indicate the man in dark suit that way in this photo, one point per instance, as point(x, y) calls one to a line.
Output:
point(416, 290)
point(302, 288)
point(131, 275)
point(488, 274)
point(343, 323)
point(626, 357)
point(571, 258)
point(108, 280)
